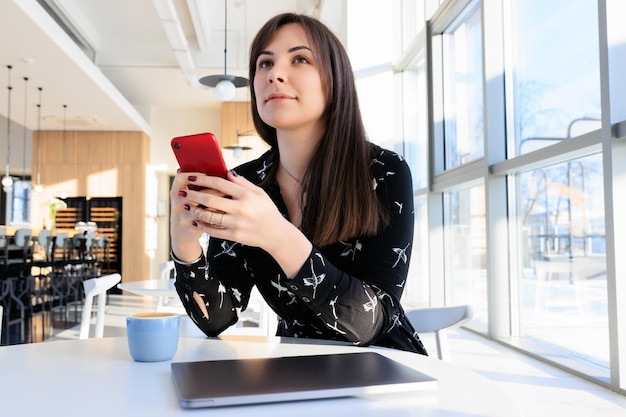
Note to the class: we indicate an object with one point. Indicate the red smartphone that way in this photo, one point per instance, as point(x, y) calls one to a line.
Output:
point(199, 153)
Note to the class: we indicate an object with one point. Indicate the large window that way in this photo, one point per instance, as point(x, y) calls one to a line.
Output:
point(553, 79)
point(555, 71)
point(465, 248)
point(417, 289)
point(563, 286)
point(519, 186)
point(462, 90)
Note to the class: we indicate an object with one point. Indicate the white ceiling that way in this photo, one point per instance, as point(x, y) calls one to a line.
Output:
point(135, 66)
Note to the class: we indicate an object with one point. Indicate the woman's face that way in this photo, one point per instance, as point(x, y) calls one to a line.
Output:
point(287, 82)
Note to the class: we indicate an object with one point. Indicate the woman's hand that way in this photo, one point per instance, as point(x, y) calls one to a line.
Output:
point(185, 236)
point(237, 210)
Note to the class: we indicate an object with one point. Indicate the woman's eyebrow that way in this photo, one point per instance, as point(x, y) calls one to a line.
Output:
point(297, 48)
point(293, 49)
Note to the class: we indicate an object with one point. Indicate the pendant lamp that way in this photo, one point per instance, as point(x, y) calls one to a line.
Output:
point(225, 85)
point(25, 130)
point(38, 187)
point(239, 149)
point(7, 180)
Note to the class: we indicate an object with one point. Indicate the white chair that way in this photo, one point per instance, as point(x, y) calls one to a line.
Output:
point(166, 271)
point(438, 320)
point(96, 287)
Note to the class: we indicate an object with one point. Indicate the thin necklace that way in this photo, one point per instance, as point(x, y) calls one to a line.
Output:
point(289, 173)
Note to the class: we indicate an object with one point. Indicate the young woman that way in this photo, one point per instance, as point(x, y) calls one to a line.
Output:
point(321, 224)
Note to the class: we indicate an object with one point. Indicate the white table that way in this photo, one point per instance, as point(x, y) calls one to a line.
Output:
point(97, 377)
point(150, 287)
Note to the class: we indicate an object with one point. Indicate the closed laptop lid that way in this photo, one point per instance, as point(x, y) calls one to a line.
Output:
point(248, 381)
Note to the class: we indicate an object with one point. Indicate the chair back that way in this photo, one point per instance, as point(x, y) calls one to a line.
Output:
point(438, 320)
point(3, 238)
point(102, 242)
point(60, 249)
point(166, 269)
point(96, 287)
point(23, 237)
point(60, 240)
point(43, 238)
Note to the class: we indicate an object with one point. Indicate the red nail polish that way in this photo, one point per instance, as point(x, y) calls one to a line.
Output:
point(187, 207)
point(194, 223)
point(182, 193)
point(192, 178)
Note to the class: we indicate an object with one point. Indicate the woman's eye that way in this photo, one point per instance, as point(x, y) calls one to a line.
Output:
point(265, 63)
point(301, 60)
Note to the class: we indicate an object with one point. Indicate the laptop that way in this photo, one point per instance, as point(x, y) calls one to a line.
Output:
point(220, 383)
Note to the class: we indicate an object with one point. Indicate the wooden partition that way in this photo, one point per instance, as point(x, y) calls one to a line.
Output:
point(99, 164)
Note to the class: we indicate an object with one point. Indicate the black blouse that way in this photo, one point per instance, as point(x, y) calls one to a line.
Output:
point(346, 291)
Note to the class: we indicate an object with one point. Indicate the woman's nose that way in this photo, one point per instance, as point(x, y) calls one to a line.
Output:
point(276, 75)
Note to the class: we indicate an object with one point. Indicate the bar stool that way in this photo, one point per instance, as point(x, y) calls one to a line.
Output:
point(4, 252)
point(19, 307)
point(103, 259)
point(60, 258)
point(20, 264)
point(4, 303)
point(40, 279)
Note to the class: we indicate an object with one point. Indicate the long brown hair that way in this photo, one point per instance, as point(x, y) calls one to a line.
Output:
point(340, 202)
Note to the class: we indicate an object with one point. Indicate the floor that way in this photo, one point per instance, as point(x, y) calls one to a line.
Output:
point(539, 389)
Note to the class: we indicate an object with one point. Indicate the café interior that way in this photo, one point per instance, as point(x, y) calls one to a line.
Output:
point(510, 113)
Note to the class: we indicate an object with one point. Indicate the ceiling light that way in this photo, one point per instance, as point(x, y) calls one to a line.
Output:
point(38, 187)
point(238, 149)
point(24, 183)
point(225, 85)
point(7, 180)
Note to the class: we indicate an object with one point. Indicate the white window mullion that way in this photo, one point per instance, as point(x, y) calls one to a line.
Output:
point(613, 68)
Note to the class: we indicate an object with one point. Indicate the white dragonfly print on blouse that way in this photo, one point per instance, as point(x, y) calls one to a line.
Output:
point(371, 304)
point(402, 256)
point(262, 173)
point(227, 249)
point(281, 288)
point(351, 248)
point(314, 280)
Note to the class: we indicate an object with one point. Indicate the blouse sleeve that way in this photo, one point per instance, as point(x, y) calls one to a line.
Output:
point(360, 299)
point(221, 302)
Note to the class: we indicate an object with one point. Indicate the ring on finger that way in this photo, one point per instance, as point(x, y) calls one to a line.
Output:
point(221, 219)
point(211, 219)
point(198, 213)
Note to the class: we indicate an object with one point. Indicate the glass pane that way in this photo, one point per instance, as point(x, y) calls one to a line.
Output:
point(20, 209)
point(556, 72)
point(463, 91)
point(465, 248)
point(417, 290)
point(415, 108)
point(413, 20)
point(370, 34)
point(376, 102)
point(563, 281)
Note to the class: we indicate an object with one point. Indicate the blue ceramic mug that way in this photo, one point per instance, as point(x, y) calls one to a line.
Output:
point(153, 337)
